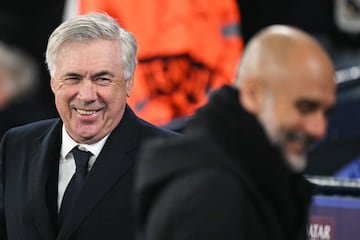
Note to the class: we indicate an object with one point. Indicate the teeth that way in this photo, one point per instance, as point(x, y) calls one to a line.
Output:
point(84, 112)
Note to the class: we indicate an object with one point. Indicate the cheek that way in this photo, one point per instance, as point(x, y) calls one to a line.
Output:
point(63, 98)
point(117, 100)
point(286, 115)
point(61, 95)
point(115, 97)
point(119, 91)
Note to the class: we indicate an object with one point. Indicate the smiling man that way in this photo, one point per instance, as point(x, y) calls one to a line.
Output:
point(236, 173)
point(90, 88)
point(287, 82)
point(72, 178)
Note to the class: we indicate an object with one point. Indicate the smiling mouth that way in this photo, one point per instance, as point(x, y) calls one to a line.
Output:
point(86, 112)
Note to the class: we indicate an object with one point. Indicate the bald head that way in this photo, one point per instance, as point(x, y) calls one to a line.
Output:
point(286, 80)
point(276, 49)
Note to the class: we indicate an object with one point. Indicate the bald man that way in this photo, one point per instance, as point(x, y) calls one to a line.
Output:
point(236, 173)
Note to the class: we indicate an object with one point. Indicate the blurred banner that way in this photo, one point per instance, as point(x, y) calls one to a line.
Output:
point(335, 210)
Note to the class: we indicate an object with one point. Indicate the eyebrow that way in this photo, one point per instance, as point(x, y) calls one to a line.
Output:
point(102, 73)
point(315, 105)
point(72, 74)
point(98, 74)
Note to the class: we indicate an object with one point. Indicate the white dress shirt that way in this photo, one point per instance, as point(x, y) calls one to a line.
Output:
point(67, 161)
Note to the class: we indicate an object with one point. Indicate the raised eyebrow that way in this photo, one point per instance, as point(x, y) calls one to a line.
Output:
point(101, 74)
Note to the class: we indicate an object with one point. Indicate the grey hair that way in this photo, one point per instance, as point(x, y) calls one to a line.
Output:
point(93, 26)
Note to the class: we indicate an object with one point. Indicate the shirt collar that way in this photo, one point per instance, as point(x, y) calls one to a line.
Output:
point(68, 144)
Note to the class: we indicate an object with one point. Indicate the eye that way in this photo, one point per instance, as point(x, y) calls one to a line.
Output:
point(72, 79)
point(307, 106)
point(102, 80)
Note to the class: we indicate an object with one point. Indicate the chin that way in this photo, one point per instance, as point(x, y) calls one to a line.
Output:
point(87, 135)
point(297, 162)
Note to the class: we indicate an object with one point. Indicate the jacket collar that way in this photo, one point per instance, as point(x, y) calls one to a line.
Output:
point(241, 135)
point(42, 162)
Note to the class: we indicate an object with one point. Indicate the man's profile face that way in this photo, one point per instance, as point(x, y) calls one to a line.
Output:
point(89, 88)
point(295, 114)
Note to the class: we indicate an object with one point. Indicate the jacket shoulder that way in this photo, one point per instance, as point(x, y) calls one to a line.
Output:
point(182, 145)
point(37, 127)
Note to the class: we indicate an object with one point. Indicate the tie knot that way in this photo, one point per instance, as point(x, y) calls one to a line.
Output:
point(81, 158)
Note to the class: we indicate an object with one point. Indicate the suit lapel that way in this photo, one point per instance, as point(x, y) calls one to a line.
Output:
point(42, 159)
point(108, 169)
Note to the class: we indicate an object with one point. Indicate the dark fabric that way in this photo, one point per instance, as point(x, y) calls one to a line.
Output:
point(221, 180)
point(75, 185)
point(51, 188)
point(103, 210)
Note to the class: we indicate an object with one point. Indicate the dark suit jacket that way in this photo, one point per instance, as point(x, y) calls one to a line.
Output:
point(29, 168)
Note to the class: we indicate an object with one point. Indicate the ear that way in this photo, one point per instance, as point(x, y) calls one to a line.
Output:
point(129, 86)
point(52, 84)
point(251, 95)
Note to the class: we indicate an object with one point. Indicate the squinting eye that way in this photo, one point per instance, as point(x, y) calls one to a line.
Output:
point(72, 79)
point(305, 107)
point(102, 81)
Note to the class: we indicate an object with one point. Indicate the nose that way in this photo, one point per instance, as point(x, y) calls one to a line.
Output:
point(87, 91)
point(316, 126)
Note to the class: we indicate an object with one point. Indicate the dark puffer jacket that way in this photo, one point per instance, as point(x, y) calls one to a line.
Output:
point(221, 180)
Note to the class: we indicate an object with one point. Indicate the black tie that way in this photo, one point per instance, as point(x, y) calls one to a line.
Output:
point(76, 182)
